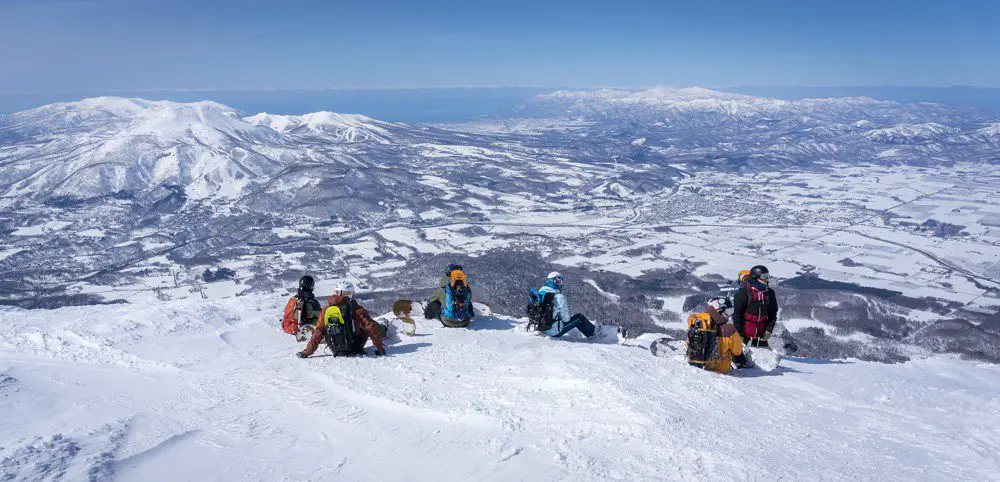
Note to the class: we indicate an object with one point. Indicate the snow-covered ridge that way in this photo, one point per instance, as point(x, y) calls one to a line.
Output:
point(695, 99)
point(346, 127)
point(911, 132)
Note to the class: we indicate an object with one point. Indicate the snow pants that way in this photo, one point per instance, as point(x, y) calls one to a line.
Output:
point(579, 322)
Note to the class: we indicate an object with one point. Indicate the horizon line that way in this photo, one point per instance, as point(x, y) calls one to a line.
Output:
point(477, 87)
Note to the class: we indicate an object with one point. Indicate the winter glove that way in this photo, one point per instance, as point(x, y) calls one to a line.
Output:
point(301, 354)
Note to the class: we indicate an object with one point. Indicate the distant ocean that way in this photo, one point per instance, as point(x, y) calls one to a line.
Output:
point(457, 104)
point(398, 105)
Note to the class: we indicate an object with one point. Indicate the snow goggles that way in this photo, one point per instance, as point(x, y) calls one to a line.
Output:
point(558, 279)
point(764, 277)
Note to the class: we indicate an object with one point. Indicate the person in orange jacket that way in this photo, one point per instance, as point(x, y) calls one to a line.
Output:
point(728, 345)
point(346, 327)
point(302, 311)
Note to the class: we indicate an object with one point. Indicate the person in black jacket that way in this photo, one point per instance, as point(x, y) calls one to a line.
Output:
point(755, 308)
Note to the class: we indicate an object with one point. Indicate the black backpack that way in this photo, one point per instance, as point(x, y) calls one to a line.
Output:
point(540, 310)
point(308, 305)
point(702, 341)
point(340, 329)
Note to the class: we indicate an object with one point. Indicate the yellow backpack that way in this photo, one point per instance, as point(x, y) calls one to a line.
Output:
point(333, 315)
point(456, 277)
point(702, 340)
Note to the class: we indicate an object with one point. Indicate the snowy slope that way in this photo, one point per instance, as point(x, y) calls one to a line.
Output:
point(202, 390)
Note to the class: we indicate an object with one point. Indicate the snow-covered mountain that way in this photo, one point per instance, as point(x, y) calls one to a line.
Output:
point(106, 145)
point(663, 102)
point(107, 199)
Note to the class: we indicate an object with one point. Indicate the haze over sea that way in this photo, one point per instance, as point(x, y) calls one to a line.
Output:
point(464, 103)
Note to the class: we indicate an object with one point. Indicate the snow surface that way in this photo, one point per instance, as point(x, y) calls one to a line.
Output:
point(210, 390)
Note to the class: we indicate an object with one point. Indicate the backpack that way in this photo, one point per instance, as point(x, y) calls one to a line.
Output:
point(308, 308)
point(540, 310)
point(755, 316)
point(340, 329)
point(457, 298)
point(702, 340)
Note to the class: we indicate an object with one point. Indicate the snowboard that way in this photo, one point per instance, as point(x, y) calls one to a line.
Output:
point(402, 309)
point(305, 332)
point(484, 309)
point(666, 347)
point(765, 359)
point(768, 358)
point(608, 333)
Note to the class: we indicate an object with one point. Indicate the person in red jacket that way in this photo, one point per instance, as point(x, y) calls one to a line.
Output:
point(301, 311)
point(349, 324)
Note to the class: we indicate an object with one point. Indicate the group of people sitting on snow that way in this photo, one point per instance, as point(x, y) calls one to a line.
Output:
point(715, 337)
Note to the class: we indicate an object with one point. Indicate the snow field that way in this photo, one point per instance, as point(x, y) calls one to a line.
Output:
point(210, 390)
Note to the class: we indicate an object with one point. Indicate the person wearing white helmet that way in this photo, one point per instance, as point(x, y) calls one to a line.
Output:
point(562, 322)
point(348, 324)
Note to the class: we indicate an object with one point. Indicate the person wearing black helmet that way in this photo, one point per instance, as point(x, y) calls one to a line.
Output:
point(302, 310)
point(755, 308)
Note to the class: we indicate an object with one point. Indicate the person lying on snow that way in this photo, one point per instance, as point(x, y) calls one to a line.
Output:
point(302, 310)
point(345, 326)
point(712, 341)
point(562, 323)
point(451, 302)
point(755, 308)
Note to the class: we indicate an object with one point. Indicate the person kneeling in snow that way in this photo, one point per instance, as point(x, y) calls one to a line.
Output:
point(345, 326)
point(301, 311)
point(562, 323)
point(713, 343)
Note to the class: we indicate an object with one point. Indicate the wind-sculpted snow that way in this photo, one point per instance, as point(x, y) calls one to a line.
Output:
point(492, 402)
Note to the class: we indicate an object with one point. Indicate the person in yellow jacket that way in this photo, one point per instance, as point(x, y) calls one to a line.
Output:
point(713, 342)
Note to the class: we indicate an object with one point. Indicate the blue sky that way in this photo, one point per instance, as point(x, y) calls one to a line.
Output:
point(90, 45)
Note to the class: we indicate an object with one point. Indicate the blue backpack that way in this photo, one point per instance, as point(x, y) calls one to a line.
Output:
point(457, 299)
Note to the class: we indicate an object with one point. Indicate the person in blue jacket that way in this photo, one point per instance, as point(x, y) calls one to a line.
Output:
point(562, 322)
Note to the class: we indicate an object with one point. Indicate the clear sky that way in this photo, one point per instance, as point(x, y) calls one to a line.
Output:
point(86, 45)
